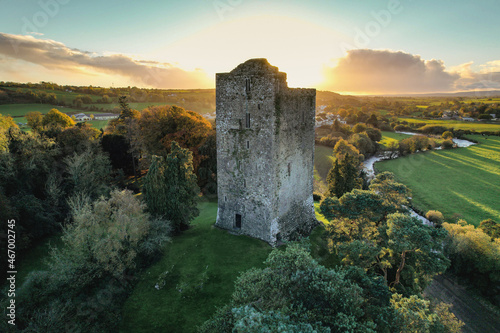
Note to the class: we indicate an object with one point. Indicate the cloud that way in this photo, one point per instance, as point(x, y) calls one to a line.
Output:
point(375, 71)
point(56, 56)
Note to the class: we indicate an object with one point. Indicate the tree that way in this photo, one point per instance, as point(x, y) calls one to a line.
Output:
point(5, 124)
point(491, 228)
point(119, 150)
point(126, 111)
point(414, 314)
point(170, 187)
point(89, 276)
point(34, 120)
point(447, 135)
point(160, 125)
point(435, 217)
point(416, 246)
point(345, 174)
point(56, 119)
point(294, 293)
point(359, 127)
point(77, 138)
point(89, 173)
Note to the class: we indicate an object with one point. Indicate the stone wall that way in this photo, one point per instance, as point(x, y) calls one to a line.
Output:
point(265, 147)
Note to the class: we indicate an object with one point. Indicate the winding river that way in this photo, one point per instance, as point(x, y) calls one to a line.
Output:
point(369, 163)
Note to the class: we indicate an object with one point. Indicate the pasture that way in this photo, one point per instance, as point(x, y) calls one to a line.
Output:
point(18, 112)
point(456, 124)
point(197, 274)
point(461, 183)
point(388, 137)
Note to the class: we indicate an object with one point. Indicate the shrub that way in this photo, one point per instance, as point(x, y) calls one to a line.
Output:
point(447, 144)
point(435, 217)
point(402, 128)
point(447, 135)
point(359, 127)
point(374, 134)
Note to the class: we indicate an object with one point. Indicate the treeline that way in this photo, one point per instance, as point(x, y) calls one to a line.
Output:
point(82, 97)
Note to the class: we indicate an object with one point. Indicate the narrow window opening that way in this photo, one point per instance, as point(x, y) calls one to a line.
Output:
point(248, 120)
point(248, 144)
point(244, 183)
point(225, 198)
point(247, 85)
point(289, 169)
point(258, 106)
point(238, 221)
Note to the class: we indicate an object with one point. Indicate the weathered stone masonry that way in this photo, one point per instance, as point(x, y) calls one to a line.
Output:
point(265, 153)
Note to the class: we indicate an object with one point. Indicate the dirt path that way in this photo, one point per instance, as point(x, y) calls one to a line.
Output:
point(477, 317)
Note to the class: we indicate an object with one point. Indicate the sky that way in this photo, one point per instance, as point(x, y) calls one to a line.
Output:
point(348, 46)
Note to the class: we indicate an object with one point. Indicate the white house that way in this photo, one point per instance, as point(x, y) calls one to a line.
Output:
point(81, 117)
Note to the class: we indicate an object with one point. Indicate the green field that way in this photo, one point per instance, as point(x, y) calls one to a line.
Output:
point(463, 182)
point(201, 250)
point(323, 160)
point(456, 124)
point(18, 111)
point(388, 137)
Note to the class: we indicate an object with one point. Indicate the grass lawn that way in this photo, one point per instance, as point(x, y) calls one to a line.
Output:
point(387, 137)
point(322, 160)
point(200, 251)
point(463, 181)
point(456, 124)
point(19, 110)
point(202, 254)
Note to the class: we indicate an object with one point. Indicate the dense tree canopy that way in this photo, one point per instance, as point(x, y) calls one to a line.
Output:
point(170, 187)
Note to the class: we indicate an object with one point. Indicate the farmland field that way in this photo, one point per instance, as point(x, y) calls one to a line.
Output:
point(387, 137)
point(18, 111)
point(463, 182)
point(456, 124)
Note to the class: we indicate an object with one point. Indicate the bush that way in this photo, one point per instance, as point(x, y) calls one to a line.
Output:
point(359, 127)
point(385, 127)
point(433, 129)
point(374, 134)
point(435, 217)
point(447, 144)
point(402, 128)
point(447, 135)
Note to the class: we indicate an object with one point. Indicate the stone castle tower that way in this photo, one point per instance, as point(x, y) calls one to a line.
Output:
point(265, 153)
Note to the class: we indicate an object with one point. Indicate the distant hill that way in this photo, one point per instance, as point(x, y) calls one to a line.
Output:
point(477, 94)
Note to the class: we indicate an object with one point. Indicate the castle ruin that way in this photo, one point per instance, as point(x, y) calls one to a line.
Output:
point(265, 153)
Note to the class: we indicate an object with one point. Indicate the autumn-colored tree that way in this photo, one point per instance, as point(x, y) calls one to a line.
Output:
point(34, 120)
point(160, 125)
point(491, 228)
point(5, 123)
point(56, 119)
